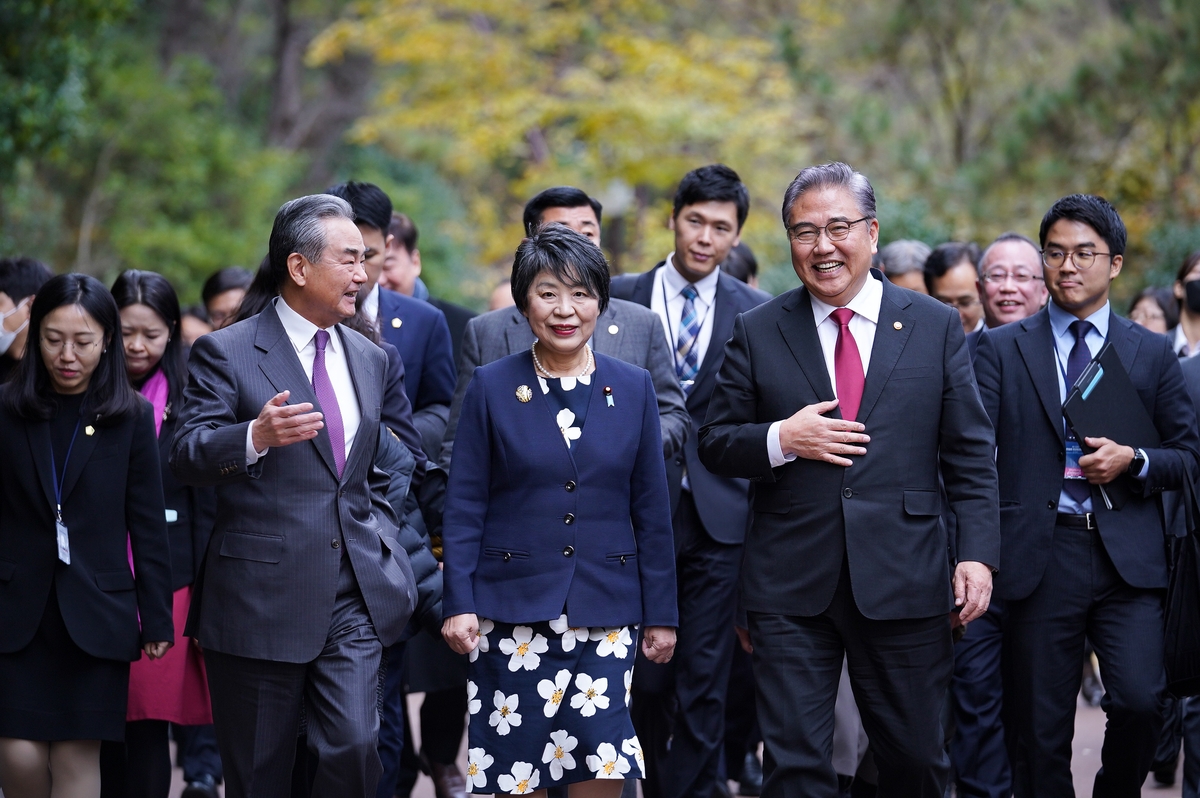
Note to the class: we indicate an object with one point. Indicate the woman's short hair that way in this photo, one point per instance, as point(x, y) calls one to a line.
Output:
point(569, 256)
point(135, 287)
point(1164, 298)
point(29, 392)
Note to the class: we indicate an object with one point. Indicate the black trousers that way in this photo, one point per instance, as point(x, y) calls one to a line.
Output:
point(899, 670)
point(685, 700)
point(1082, 595)
point(977, 751)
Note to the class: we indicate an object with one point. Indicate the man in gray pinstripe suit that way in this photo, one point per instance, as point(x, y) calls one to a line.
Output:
point(304, 582)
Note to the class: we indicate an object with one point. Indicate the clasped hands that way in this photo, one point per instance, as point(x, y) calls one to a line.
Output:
point(809, 434)
point(462, 634)
point(281, 425)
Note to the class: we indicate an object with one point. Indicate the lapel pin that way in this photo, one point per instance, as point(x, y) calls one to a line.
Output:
point(608, 398)
point(396, 323)
point(898, 326)
point(613, 329)
point(89, 430)
point(524, 394)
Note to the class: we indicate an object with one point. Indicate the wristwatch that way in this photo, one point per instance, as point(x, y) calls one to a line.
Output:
point(1137, 463)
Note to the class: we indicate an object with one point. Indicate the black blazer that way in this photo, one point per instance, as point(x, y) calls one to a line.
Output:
point(923, 414)
point(723, 503)
point(194, 511)
point(112, 488)
point(1017, 377)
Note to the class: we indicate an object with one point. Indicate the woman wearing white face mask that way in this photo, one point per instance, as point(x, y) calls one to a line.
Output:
point(20, 279)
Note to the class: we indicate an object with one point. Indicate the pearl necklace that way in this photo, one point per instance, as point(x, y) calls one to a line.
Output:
point(543, 370)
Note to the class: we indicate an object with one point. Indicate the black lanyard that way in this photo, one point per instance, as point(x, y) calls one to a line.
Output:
point(58, 481)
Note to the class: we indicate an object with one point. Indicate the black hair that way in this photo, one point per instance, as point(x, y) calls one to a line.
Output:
point(557, 197)
point(1189, 263)
point(1096, 212)
point(830, 175)
point(110, 396)
point(135, 287)
point(1164, 298)
point(945, 257)
point(263, 288)
point(371, 206)
point(22, 277)
point(740, 263)
point(405, 231)
point(569, 256)
point(299, 227)
point(197, 311)
point(713, 183)
point(230, 278)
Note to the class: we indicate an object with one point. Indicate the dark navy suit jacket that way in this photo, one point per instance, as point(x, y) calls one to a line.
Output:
point(1017, 378)
point(723, 503)
point(419, 332)
point(532, 527)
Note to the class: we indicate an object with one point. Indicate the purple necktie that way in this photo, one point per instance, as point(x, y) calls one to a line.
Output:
point(327, 400)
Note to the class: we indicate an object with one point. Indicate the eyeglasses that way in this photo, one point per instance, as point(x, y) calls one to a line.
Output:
point(962, 302)
point(54, 347)
point(999, 277)
point(1147, 315)
point(1082, 258)
point(808, 234)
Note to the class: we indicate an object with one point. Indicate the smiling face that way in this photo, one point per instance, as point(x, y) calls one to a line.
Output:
point(401, 268)
point(704, 234)
point(1012, 285)
point(1080, 292)
point(325, 292)
point(834, 271)
point(145, 336)
point(72, 342)
point(561, 316)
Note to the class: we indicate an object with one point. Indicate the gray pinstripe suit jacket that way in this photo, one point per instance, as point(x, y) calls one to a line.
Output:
point(270, 576)
point(625, 330)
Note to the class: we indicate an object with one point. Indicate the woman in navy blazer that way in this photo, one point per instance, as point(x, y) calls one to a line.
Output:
point(557, 538)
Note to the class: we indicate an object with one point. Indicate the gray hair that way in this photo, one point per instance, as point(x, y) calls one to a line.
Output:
point(903, 256)
point(299, 227)
point(830, 175)
point(1004, 238)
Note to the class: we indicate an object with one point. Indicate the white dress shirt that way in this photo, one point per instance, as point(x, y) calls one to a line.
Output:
point(668, 286)
point(1181, 346)
point(302, 333)
point(370, 305)
point(865, 305)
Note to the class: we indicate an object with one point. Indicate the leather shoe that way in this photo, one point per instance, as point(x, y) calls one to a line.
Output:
point(448, 781)
point(203, 787)
point(752, 776)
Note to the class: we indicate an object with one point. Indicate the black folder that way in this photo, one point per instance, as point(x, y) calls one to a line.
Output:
point(1104, 404)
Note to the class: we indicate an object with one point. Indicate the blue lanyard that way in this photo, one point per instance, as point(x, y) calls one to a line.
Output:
point(58, 481)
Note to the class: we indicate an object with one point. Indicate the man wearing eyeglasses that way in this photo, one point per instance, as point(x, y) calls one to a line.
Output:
point(1082, 568)
point(851, 402)
point(951, 277)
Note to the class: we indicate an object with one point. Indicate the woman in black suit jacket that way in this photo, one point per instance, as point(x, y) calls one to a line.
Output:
point(79, 488)
point(558, 540)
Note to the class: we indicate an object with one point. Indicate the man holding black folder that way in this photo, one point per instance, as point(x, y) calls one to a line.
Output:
point(1078, 567)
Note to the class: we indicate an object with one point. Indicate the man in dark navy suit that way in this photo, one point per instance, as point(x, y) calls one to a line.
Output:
point(417, 329)
point(697, 305)
point(1085, 566)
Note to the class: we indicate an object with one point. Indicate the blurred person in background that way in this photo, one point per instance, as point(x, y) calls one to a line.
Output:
point(80, 502)
point(952, 277)
point(903, 263)
point(1186, 335)
point(20, 279)
point(501, 296)
point(1156, 309)
point(222, 294)
point(175, 690)
point(193, 323)
point(741, 264)
point(1010, 282)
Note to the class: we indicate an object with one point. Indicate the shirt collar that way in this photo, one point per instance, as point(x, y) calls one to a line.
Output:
point(676, 282)
point(300, 331)
point(865, 303)
point(1060, 320)
point(1180, 341)
point(370, 305)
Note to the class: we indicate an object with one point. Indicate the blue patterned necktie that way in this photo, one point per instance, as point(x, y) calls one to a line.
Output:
point(687, 360)
point(1077, 361)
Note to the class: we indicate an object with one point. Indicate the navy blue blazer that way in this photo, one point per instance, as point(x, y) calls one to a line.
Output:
point(419, 332)
point(1018, 383)
point(532, 527)
point(722, 503)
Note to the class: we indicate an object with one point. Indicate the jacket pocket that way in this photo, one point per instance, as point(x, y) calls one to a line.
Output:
point(921, 372)
point(114, 581)
point(7, 569)
point(248, 546)
point(505, 554)
point(620, 556)
point(922, 502)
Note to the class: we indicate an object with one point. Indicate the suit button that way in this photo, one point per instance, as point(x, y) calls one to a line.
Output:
point(1051, 504)
point(678, 461)
point(341, 493)
point(337, 544)
point(569, 519)
point(847, 493)
point(568, 551)
point(622, 559)
point(507, 556)
point(570, 486)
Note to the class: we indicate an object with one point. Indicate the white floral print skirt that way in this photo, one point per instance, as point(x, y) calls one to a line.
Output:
point(549, 705)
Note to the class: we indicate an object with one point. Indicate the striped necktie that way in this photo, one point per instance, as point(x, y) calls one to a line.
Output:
point(687, 360)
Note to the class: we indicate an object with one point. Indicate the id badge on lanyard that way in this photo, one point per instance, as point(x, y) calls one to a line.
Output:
point(60, 528)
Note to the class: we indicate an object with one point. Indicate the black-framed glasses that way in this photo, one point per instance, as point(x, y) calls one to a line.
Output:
point(1000, 276)
point(808, 234)
point(1082, 258)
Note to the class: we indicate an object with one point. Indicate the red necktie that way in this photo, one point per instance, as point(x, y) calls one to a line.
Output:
point(847, 366)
